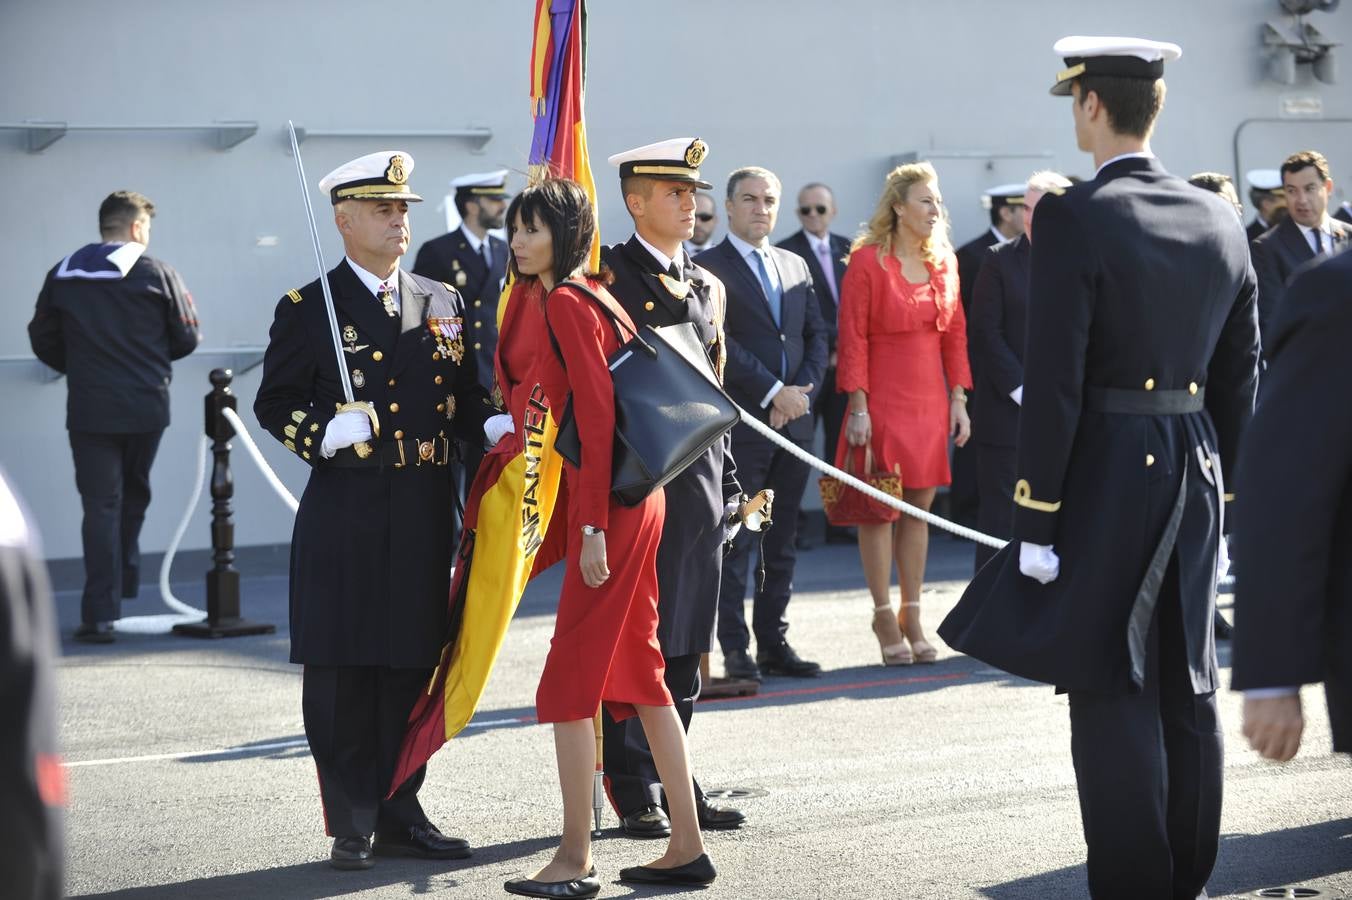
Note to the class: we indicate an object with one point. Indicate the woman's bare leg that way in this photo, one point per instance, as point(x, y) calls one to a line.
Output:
point(575, 748)
point(667, 740)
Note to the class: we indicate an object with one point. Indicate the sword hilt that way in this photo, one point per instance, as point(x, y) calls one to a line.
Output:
point(362, 448)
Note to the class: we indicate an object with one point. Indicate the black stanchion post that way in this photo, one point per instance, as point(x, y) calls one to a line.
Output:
point(223, 618)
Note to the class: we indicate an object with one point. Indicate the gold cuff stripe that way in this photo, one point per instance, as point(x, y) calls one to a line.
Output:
point(367, 190)
point(1023, 496)
point(666, 170)
point(298, 415)
point(294, 295)
point(290, 431)
point(1072, 72)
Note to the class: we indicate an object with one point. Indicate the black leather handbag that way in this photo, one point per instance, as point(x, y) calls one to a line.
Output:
point(669, 406)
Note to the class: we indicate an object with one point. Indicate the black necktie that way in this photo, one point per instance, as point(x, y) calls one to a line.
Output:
point(674, 270)
point(483, 253)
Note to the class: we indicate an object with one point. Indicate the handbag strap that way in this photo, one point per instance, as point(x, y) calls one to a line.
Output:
point(868, 461)
point(615, 323)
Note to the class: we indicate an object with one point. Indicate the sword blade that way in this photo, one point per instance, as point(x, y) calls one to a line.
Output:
point(343, 375)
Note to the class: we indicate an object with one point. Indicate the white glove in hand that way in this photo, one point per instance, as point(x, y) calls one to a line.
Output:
point(345, 429)
point(496, 426)
point(1039, 562)
point(730, 527)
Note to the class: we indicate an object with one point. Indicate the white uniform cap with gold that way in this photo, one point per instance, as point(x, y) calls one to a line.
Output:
point(1264, 179)
point(482, 184)
point(676, 159)
point(1003, 195)
point(375, 176)
point(1124, 57)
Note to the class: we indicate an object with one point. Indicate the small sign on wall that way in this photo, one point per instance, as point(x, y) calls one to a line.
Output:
point(1300, 106)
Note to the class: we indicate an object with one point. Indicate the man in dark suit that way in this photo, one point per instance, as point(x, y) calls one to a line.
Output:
point(657, 284)
point(825, 253)
point(995, 340)
point(1344, 213)
point(113, 320)
point(1004, 204)
point(706, 223)
point(777, 353)
point(1268, 200)
point(1293, 596)
point(473, 261)
point(1140, 372)
point(1307, 232)
point(371, 549)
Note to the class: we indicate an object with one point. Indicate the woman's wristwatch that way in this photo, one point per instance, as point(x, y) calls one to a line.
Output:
point(589, 530)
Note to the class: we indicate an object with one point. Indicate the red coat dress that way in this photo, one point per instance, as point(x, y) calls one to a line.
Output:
point(605, 639)
point(904, 344)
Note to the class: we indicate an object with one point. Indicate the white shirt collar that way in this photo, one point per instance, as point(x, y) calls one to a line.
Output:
point(999, 238)
point(691, 248)
point(1323, 227)
point(658, 255)
point(1140, 154)
point(746, 249)
point(373, 282)
point(817, 243)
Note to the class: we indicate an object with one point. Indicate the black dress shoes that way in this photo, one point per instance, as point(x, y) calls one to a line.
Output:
point(95, 633)
point(784, 660)
point(739, 664)
point(648, 822)
point(699, 871)
point(713, 817)
point(423, 842)
point(351, 853)
point(586, 886)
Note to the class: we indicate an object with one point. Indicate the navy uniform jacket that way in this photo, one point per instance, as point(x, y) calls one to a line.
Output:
point(690, 557)
point(1293, 499)
point(451, 260)
point(970, 256)
point(114, 338)
point(1277, 254)
point(1255, 229)
point(1141, 296)
point(996, 328)
point(840, 253)
point(371, 550)
point(757, 347)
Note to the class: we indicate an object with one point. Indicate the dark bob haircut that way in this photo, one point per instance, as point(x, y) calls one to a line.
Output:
point(562, 207)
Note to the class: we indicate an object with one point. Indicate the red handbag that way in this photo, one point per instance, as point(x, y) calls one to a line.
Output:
point(845, 505)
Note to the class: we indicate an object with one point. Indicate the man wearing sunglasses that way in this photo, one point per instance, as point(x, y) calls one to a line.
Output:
point(706, 220)
point(825, 253)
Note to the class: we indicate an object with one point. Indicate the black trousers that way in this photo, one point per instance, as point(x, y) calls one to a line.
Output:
point(112, 473)
point(631, 776)
point(964, 493)
point(354, 721)
point(995, 483)
point(762, 465)
point(830, 410)
point(1148, 768)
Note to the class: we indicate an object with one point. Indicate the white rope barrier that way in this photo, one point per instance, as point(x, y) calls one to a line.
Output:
point(775, 437)
point(242, 433)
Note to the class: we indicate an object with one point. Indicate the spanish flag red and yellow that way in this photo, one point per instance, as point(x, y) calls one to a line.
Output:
point(512, 501)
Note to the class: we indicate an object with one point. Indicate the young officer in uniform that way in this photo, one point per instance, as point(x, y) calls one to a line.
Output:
point(657, 284)
point(371, 551)
point(1140, 373)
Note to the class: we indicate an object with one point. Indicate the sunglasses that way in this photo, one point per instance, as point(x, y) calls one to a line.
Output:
point(809, 210)
point(705, 217)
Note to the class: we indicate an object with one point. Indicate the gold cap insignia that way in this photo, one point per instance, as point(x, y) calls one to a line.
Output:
point(695, 153)
point(396, 173)
point(349, 334)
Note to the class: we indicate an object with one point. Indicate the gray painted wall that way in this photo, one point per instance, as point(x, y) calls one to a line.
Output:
point(815, 91)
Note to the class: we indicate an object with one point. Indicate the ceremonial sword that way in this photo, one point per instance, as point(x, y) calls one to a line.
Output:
point(361, 448)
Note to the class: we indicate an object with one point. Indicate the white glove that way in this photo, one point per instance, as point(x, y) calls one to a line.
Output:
point(496, 426)
point(1017, 395)
point(730, 526)
point(345, 429)
point(1222, 559)
point(1039, 562)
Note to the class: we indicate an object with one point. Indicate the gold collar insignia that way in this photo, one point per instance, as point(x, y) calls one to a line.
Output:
point(678, 289)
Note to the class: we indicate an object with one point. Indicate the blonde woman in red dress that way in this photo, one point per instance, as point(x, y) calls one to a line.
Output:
point(605, 634)
point(903, 361)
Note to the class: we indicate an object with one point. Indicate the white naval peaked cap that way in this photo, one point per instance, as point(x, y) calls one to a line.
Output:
point(1003, 195)
point(382, 175)
point(1264, 179)
point(1124, 57)
point(676, 159)
point(482, 184)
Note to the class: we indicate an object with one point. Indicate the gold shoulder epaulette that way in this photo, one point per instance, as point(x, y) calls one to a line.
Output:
point(294, 295)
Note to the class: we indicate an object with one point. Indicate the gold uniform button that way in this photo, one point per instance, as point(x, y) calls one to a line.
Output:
point(441, 407)
point(477, 345)
point(1150, 384)
point(394, 407)
point(437, 380)
point(478, 324)
point(377, 356)
point(1192, 387)
point(391, 382)
point(399, 435)
point(1149, 459)
point(478, 303)
point(435, 356)
point(648, 306)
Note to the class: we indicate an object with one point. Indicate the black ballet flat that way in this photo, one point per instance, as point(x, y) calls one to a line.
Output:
point(698, 871)
point(587, 886)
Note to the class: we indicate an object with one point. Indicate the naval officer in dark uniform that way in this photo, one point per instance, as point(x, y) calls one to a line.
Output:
point(657, 284)
point(371, 551)
point(1140, 371)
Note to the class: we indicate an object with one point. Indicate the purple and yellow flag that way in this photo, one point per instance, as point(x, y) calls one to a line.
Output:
point(506, 538)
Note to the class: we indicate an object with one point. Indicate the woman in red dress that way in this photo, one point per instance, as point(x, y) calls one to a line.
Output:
point(903, 361)
point(605, 634)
